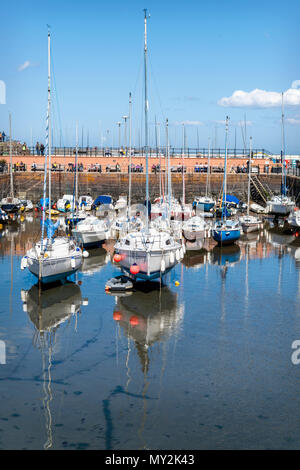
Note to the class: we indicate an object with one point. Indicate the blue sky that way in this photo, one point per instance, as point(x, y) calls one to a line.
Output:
point(200, 55)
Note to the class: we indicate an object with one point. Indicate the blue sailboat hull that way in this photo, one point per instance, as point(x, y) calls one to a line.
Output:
point(226, 237)
point(204, 206)
point(144, 276)
point(56, 277)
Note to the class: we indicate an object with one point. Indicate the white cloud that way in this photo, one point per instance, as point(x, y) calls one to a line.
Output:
point(296, 84)
point(262, 98)
point(189, 123)
point(294, 121)
point(24, 66)
point(2, 92)
point(242, 123)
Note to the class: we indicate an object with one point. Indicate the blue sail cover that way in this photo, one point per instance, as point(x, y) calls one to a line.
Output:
point(102, 200)
point(233, 199)
point(46, 202)
point(51, 227)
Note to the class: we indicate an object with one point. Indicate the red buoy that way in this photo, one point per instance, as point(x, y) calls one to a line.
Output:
point(134, 321)
point(117, 258)
point(117, 316)
point(134, 269)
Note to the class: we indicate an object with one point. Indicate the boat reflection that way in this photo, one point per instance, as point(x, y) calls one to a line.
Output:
point(53, 305)
point(47, 310)
point(151, 314)
point(98, 257)
point(195, 259)
point(226, 255)
point(277, 237)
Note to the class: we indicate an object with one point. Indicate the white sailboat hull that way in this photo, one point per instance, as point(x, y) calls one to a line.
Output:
point(61, 259)
point(152, 258)
point(90, 238)
point(149, 262)
point(278, 207)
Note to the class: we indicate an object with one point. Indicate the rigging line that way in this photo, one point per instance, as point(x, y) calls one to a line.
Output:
point(157, 90)
point(56, 93)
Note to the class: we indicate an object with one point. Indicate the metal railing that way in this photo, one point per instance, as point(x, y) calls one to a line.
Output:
point(138, 152)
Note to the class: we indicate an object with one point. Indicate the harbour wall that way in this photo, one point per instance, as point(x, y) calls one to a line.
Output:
point(29, 185)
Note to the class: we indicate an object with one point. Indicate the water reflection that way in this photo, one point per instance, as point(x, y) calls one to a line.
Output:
point(150, 315)
point(195, 259)
point(51, 306)
point(226, 255)
point(98, 257)
point(48, 309)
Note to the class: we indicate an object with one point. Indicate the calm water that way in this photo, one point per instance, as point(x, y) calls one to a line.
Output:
point(202, 365)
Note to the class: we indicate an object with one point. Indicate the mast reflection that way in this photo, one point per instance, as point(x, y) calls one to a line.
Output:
point(48, 309)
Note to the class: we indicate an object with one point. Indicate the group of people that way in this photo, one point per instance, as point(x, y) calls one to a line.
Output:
point(2, 136)
point(40, 148)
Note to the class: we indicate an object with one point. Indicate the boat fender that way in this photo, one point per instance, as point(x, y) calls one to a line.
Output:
point(172, 257)
point(24, 262)
point(73, 262)
point(177, 254)
point(134, 269)
point(24, 307)
point(181, 253)
point(85, 254)
point(163, 266)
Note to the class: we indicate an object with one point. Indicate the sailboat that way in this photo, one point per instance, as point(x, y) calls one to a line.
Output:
point(147, 254)
point(78, 213)
point(51, 259)
point(250, 223)
point(10, 204)
point(226, 231)
point(127, 218)
point(91, 231)
point(205, 203)
point(195, 228)
point(294, 218)
point(282, 204)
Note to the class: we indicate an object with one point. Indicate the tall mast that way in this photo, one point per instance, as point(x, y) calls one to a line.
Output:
point(283, 174)
point(129, 193)
point(76, 167)
point(183, 151)
point(157, 144)
point(146, 119)
point(49, 120)
point(10, 158)
point(208, 169)
point(225, 171)
point(169, 169)
point(249, 175)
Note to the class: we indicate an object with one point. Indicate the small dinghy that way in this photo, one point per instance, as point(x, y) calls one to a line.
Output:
point(119, 284)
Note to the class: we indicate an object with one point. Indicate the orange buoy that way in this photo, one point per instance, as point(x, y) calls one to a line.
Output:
point(134, 269)
point(117, 316)
point(117, 258)
point(134, 321)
